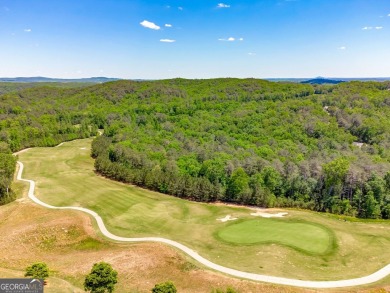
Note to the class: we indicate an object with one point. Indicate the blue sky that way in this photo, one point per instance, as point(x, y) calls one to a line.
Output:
point(195, 39)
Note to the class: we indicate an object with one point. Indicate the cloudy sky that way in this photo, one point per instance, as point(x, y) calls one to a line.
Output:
point(194, 39)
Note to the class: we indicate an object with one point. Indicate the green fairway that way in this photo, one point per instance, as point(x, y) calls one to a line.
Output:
point(303, 245)
point(302, 236)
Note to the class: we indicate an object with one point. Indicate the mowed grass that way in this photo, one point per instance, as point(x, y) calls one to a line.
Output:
point(303, 236)
point(65, 177)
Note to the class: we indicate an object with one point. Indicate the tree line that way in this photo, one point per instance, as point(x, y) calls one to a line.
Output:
point(334, 190)
point(7, 170)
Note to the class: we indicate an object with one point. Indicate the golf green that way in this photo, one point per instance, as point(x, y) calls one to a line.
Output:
point(302, 236)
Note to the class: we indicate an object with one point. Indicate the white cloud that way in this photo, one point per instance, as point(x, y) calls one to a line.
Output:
point(366, 28)
point(388, 14)
point(28, 30)
point(342, 48)
point(167, 41)
point(168, 25)
point(223, 5)
point(180, 8)
point(230, 39)
point(150, 25)
point(251, 54)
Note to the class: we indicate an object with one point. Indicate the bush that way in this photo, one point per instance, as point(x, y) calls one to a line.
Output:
point(228, 290)
point(101, 279)
point(166, 287)
point(38, 270)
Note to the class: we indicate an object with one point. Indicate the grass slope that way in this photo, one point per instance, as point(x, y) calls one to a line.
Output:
point(65, 176)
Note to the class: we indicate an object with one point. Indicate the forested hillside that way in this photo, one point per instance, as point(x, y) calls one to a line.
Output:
point(37, 116)
point(7, 87)
point(321, 147)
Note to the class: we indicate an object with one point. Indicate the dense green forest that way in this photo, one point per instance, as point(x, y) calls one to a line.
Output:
point(320, 147)
point(35, 115)
point(7, 87)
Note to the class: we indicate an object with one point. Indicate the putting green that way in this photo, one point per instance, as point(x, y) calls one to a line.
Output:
point(302, 236)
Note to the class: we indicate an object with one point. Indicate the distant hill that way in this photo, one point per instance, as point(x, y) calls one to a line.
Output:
point(379, 79)
point(47, 79)
point(322, 81)
point(317, 80)
point(286, 79)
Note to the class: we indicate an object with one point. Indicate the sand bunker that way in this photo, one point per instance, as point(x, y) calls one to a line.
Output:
point(268, 215)
point(83, 148)
point(227, 218)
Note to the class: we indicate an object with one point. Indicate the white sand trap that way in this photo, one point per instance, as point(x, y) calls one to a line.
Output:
point(227, 218)
point(268, 215)
point(83, 148)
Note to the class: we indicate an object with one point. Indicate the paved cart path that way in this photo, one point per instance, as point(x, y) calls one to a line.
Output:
point(378, 275)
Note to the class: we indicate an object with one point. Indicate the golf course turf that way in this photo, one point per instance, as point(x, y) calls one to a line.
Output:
point(65, 177)
point(300, 235)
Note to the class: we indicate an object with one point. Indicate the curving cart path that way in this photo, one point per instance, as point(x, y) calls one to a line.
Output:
point(378, 275)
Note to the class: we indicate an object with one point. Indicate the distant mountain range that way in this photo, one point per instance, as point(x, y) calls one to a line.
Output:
point(331, 80)
point(47, 79)
point(100, 79)
point(322, 81)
